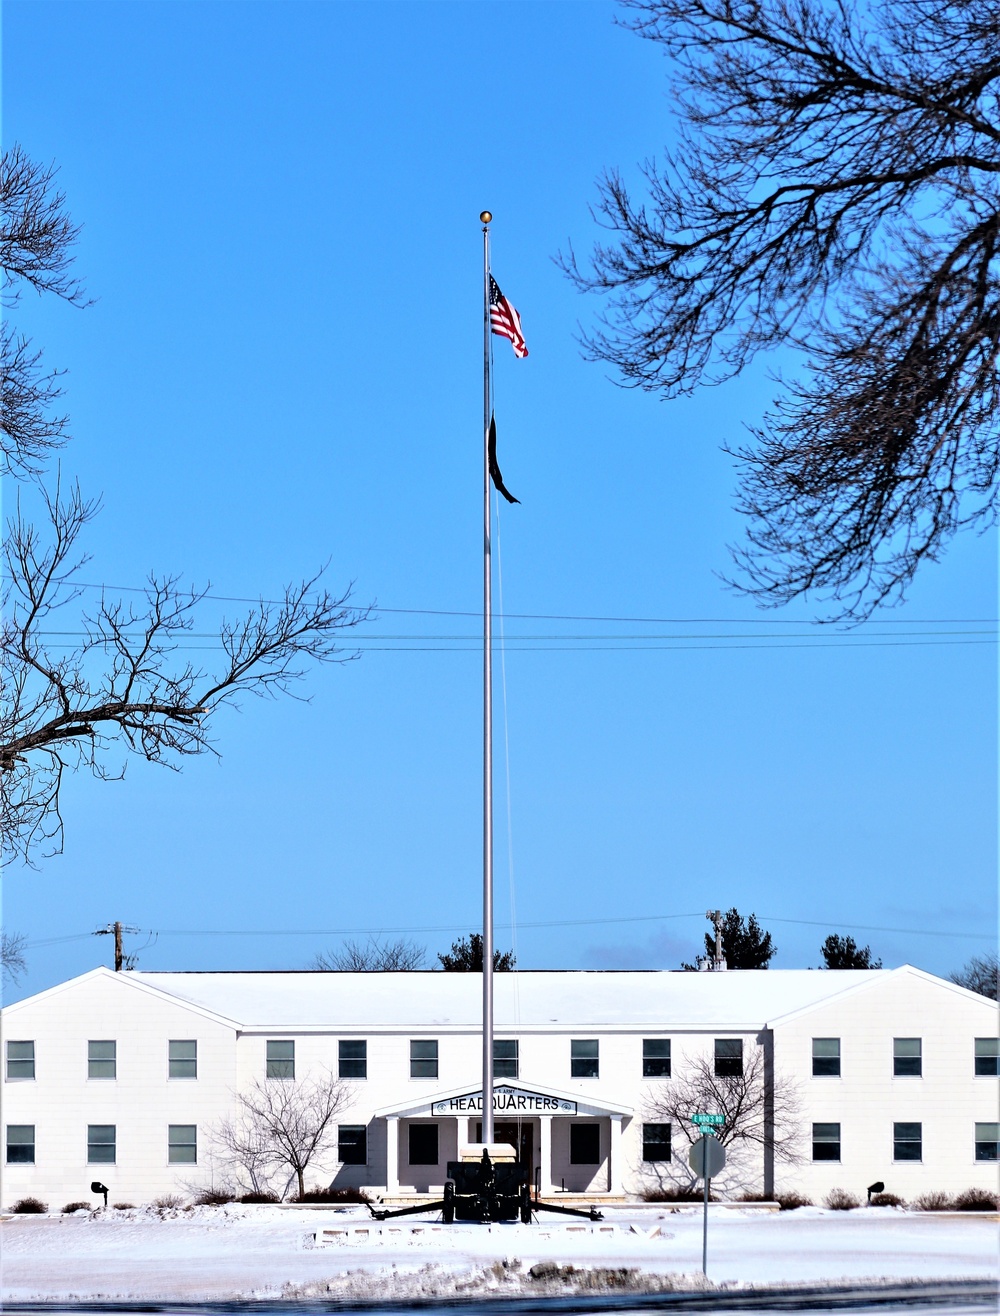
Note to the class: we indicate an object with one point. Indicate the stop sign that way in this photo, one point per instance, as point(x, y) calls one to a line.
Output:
point(707, 1157)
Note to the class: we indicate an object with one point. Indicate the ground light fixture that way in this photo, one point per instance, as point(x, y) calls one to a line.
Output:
point(98, 1187)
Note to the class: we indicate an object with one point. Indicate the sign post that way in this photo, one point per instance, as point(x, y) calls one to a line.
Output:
point(707, 1159)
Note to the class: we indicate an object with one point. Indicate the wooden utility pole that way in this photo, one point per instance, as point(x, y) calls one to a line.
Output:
point(116, 929)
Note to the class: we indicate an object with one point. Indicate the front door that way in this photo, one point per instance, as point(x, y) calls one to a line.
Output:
point(519, 1133)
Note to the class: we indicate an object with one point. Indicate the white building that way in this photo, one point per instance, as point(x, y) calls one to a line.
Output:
point(122, 1077)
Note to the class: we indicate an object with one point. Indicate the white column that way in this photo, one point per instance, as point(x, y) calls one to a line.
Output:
point(392, 1156)
point(615, 1157)
point(545, 1154)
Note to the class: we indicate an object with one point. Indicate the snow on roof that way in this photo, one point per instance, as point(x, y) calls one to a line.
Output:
point(308, 1000)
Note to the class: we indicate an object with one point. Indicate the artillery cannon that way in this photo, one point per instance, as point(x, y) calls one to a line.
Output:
point(486, 1187)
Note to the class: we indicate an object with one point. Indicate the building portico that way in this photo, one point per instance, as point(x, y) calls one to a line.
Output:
point(570, 1145)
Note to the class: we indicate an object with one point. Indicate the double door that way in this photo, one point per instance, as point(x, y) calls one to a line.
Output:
point(519, 1133)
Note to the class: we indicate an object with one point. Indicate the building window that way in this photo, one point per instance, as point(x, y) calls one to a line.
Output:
point(353, 1061)
point(728, 1057)
point(906, 1059)
point(182, 1059)
point(656, 1142)
point(987, 1056)
point(826, 1058)
point(102, 1059)
point(987, 1142)
point(21, 1144)
point(182, 1144)
point(826, 1142)
point(424, 1064)
point(21, 1060)
point(423, 1144)
point(100, 1144)
point(584, 1062)
point(280, 1060)
point(505, 1057)
point(584, 1144)
point(352, 1144)
point(907, 1142)
point(656, 1064)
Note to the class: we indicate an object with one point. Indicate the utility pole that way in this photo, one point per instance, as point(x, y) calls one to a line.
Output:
point(116, 929)
point(714, 916)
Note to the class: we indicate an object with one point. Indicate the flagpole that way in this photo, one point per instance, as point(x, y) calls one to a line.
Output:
point(485, 218)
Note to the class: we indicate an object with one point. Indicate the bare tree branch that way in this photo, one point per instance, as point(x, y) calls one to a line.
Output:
point(13, 962)
point(282, 1124)
point(836, 187)
point(759, 1115)
point(373, 956)
point(92, 686)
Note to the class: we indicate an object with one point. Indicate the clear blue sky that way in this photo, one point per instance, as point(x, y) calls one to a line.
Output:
point(282, 366)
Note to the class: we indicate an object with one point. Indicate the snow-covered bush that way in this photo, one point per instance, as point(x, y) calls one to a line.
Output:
point(839, 1199)
point(29, 1206)
point(70, 1207)
point(975, 1199)
point(936, 1201)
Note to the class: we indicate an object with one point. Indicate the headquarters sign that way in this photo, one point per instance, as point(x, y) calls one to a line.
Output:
point(506, 1101)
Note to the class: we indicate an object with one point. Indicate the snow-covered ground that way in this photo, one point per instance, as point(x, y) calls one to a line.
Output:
point(213, 1253)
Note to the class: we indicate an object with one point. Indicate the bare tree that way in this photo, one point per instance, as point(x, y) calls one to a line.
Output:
point(373, 956)
point(760, 1110)
point(835, 187)
point(281, 1124)
point(92, 686)
point(979, 974)
point(13, 962)
point(36, 240)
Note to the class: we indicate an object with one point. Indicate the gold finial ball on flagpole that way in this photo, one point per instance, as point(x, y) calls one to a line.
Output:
point(486, 216)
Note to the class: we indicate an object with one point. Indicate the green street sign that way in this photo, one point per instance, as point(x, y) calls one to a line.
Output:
point(711, 1120)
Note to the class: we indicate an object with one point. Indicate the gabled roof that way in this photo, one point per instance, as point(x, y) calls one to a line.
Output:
point(557, 1000)
point(581, 1100)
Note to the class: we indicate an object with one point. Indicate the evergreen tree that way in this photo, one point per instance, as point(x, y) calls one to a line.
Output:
point(466, 956)
point(844, 953)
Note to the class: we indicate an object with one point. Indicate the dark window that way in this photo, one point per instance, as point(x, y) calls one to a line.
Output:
point(907, 1142)
point(100, 1144)
point(21, 1061)
point(987, 1056)
point(353, 1064)
point(424, 1064)
point(826, 1058)
point(423, 1144)
point(826, 1142)
point(280, 1060)
point(987, 1142)
point(656, 1064)
point(21, 1144)
point(102, 1059)
point(906, 1057)
point(182, 1144)
point(728, 1057)
point(656, 1142)
point(583, 1062)
point(352, 1144)
point(584, 1144)
point(182, 1059)
point(505, 1057)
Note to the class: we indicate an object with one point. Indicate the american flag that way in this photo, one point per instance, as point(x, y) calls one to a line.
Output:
point(505, 321)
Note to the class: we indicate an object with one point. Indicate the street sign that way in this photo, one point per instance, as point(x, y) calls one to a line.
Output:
point(707, 1157)
point(712, 1121)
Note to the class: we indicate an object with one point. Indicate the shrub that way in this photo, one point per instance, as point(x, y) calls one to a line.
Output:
point(674, 1194)
point(839, 1199)
point(168, 1202)
point(975, 1199)
point(29, 1206)
point(792, 1201)
point(885, 1199)
point(333, 1195)
point(936, 1201)
point(123, 1206)
point(213, 1197)
point(258, 1199)
point(70, 1207)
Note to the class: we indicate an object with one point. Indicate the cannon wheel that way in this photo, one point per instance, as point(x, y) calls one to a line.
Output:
point(525, 1205)
point(448, 1206)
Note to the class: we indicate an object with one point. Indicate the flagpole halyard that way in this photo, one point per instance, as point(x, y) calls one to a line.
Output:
point(487, 1135)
